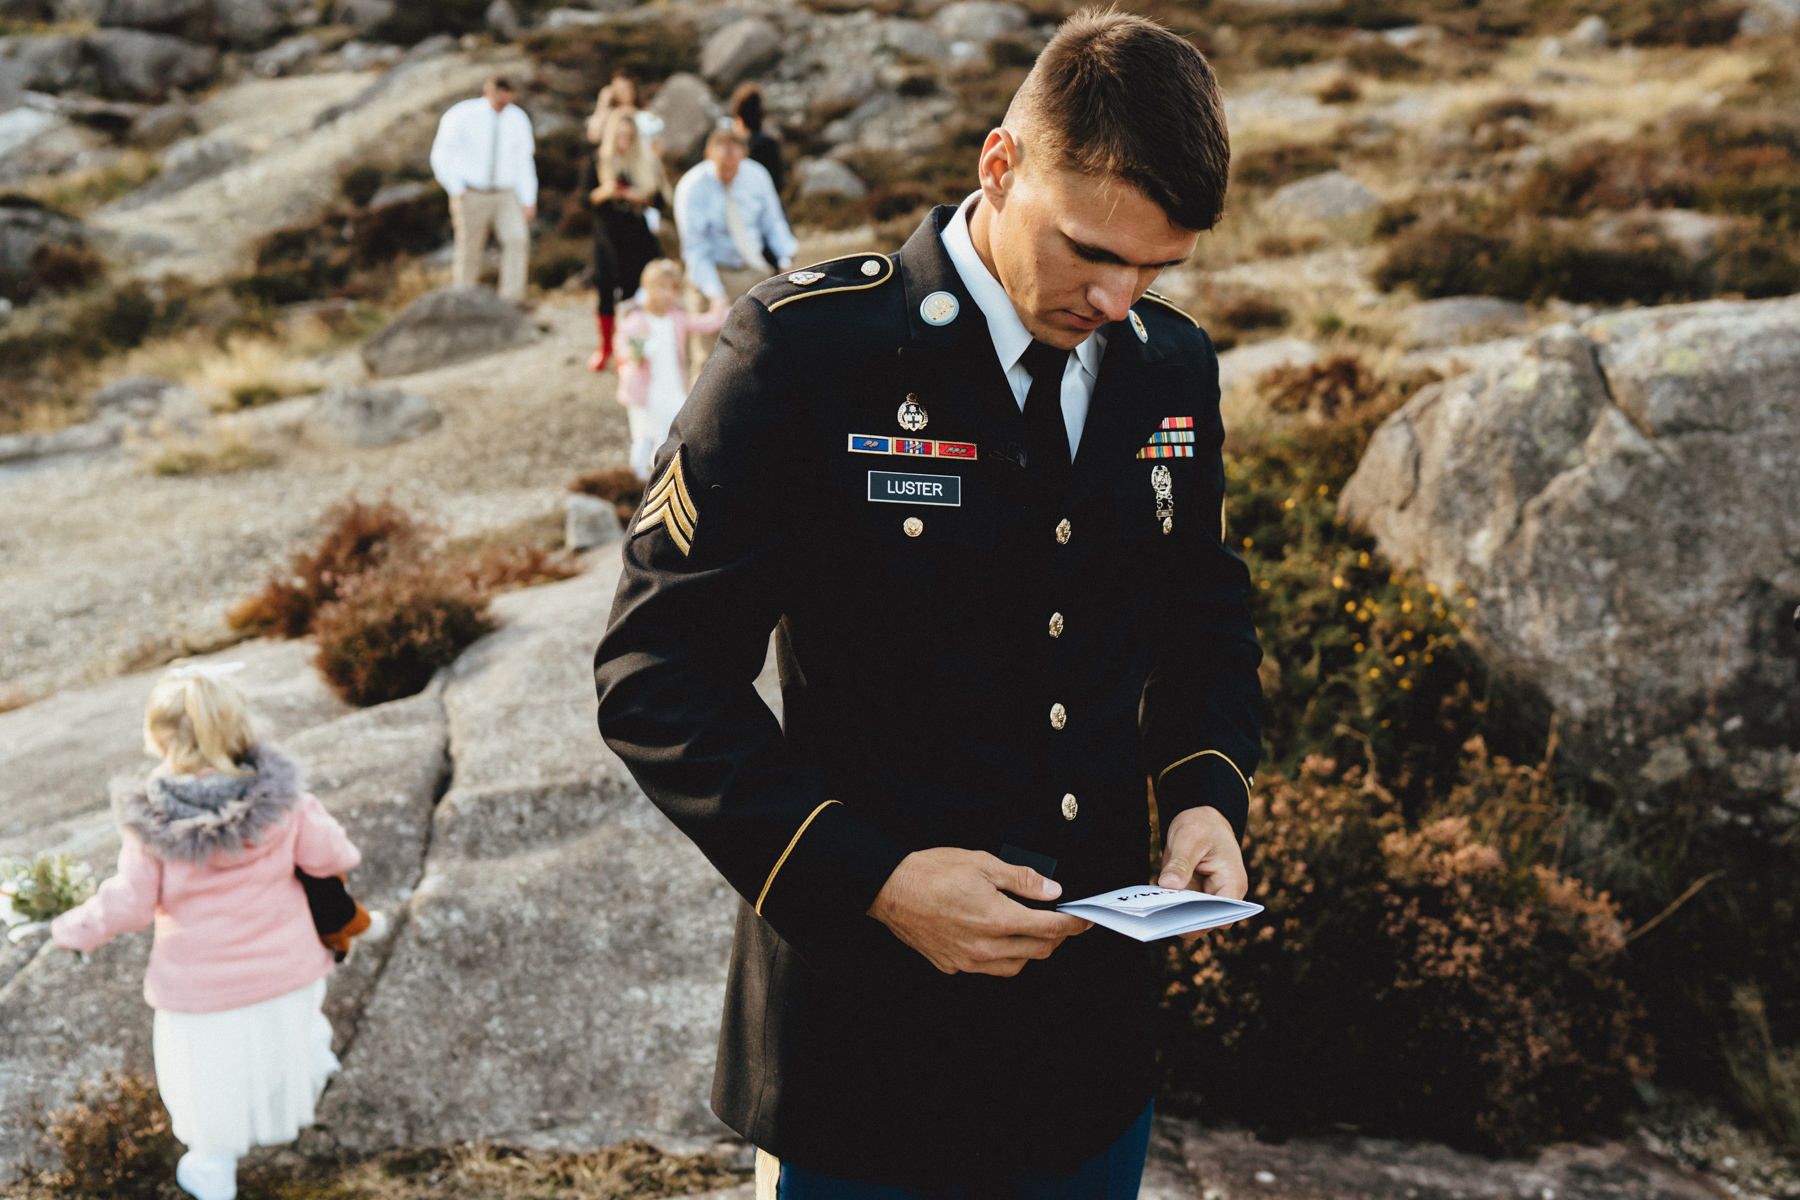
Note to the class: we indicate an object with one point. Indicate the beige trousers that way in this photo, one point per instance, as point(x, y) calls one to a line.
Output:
point(736, 282)
point(473, 214)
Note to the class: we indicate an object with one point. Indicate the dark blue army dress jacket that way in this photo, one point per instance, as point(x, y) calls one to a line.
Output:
point(965, 661)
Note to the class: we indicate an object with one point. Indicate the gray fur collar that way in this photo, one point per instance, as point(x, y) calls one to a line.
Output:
point(189, 818)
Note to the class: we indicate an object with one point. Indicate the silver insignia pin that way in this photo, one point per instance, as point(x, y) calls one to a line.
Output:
point(1163, 484)
point(1137, 327)
point(871, 267)
point(939, 308)
point(802, 278)
point(912, 415)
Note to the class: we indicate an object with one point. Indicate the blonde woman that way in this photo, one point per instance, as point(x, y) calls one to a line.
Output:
point(625, 187)
point(211, 843)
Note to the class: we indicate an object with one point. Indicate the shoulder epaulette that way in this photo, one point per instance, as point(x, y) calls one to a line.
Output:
point(1173, 307)
point(849, 273)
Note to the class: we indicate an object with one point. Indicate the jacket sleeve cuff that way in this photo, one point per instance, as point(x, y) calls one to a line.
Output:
point(1204, 779)
point(828, 876)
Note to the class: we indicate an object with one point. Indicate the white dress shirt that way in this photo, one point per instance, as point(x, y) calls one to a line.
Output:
point(477, 147)
point(703, 222)
point(1011, 339)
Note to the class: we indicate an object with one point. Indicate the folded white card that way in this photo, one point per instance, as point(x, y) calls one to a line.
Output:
point(1147, 913)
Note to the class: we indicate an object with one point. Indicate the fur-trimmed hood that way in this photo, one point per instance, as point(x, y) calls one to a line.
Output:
point(190, 818)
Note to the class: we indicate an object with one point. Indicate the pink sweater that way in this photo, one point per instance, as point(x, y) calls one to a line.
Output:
point(634, 374)
point(230, 932)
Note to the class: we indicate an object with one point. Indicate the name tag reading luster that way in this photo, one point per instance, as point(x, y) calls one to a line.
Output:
point(895, 487)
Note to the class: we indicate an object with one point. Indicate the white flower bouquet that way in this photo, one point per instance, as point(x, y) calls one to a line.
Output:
point(32, 894)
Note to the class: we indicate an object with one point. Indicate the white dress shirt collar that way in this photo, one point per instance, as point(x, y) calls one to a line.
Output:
point(1011, 339)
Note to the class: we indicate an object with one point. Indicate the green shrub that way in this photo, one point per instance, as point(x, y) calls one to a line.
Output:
point(1406, 978)
point(114, 1140)
point(388, 631)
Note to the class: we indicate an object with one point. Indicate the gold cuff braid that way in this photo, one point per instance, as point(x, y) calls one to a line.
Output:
point(1203, 754)
point(764, 894)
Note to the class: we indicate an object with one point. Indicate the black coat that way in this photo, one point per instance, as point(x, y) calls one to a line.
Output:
point(918, 674)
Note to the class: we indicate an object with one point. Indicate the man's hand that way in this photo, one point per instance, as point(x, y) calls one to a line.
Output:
point(1200, 854)
point(948, 905)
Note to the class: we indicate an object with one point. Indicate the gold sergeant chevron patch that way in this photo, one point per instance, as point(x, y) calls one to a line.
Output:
point(668, 504)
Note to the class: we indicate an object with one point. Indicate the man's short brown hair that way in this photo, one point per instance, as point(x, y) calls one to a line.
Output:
point(1116, 94)
point(502, 83)
point(720, 138)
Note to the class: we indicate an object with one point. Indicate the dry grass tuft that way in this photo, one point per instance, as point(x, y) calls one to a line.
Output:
point(388, 631)
point(617, 485)
point(359, 538)
point(223, 454)
point(114, 1141)
point(80, 192)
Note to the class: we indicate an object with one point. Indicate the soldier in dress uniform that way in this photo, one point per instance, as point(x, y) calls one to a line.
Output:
point(976, 489)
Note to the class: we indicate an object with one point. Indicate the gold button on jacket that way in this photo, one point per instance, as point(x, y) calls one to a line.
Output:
point(1059, 716)
point(1056, 624)
point(1069, 807)
point(1063, 530)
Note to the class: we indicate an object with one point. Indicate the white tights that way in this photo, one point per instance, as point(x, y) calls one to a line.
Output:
point(207, 1176)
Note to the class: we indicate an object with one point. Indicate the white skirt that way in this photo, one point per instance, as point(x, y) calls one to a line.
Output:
point(247, 1076)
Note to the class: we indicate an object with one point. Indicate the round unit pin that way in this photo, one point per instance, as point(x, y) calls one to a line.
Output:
point(871, 267)
point(913, 526)
point(939, 308)
point(1137, 327)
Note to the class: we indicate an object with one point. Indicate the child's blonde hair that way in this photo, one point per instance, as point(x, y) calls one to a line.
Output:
point(661, 268)
point(195, 721)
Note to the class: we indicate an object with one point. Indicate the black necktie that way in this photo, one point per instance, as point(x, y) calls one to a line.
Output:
point(1047, 448)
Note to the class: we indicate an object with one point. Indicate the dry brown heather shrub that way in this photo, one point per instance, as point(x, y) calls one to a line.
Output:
point(618, 485)
point(479, 1171)
point(1342, 90)
point(358, 538)
point(1767, 1076)
point(114, 1140)
point(389, 630)
point(1405, 978)
point(1284, 162)
point(500, 568)
point(1231, 315)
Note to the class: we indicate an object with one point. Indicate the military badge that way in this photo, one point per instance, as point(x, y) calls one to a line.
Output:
point(1164, 486)
point(912, 415)
point(914, 446)
point(669, 505)
point(871, 267)
point(1175, 439)
point(956, 450)
point(802, 278)
point(939, 308)
point(864, 444)
point(1137, 327)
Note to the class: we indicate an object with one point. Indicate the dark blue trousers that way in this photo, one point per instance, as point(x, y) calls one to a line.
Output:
point(1113, 1174)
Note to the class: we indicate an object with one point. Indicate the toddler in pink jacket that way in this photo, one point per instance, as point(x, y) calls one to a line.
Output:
point(237, 971)
point(653, 359)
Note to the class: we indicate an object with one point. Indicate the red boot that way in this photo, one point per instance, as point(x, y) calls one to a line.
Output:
point(603, 355)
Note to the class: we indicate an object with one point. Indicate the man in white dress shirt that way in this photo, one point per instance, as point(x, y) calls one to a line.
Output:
point(733, 232)
point(483, 157)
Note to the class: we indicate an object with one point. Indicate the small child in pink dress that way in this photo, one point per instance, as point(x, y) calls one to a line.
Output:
point(237, 971)
point(653, 337)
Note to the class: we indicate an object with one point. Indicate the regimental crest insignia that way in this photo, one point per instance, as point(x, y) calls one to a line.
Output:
point(912, 415)
point(1163, 484)
point(802, 278)
point(669, 504)
point(1137, 327)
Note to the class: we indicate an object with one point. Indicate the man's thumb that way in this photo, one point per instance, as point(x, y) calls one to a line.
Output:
point(1176, 873)
point(1028, 883)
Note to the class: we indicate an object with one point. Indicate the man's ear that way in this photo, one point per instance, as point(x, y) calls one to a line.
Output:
point(999, 162)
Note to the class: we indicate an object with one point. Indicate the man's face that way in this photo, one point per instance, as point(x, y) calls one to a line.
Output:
point(498, 97)
point(1073, 252)
point(726, 158)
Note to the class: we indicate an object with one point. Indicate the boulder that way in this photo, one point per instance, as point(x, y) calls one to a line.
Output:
point(287, 57)
point(688, 110)
point(917, 40)
point(20, 126)
point(1337, 201)
point(1246, 364)
point(1589, 35)
point(1769, 16)
point(589, 521)
point(159, 126)
point(741, 48)
point(43, 63)
point(359, 414)
point(445, 326)
point(186, 163)
point(1619, 502)
point(24, 232)
point(132, 395)
point(1695, 234)
point(1455, 319)
point(146, 66)
point(829, 177)
point(979, 21)
point(503, 20)
point(559, 976)
point(180, 18)
point(365, 16)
